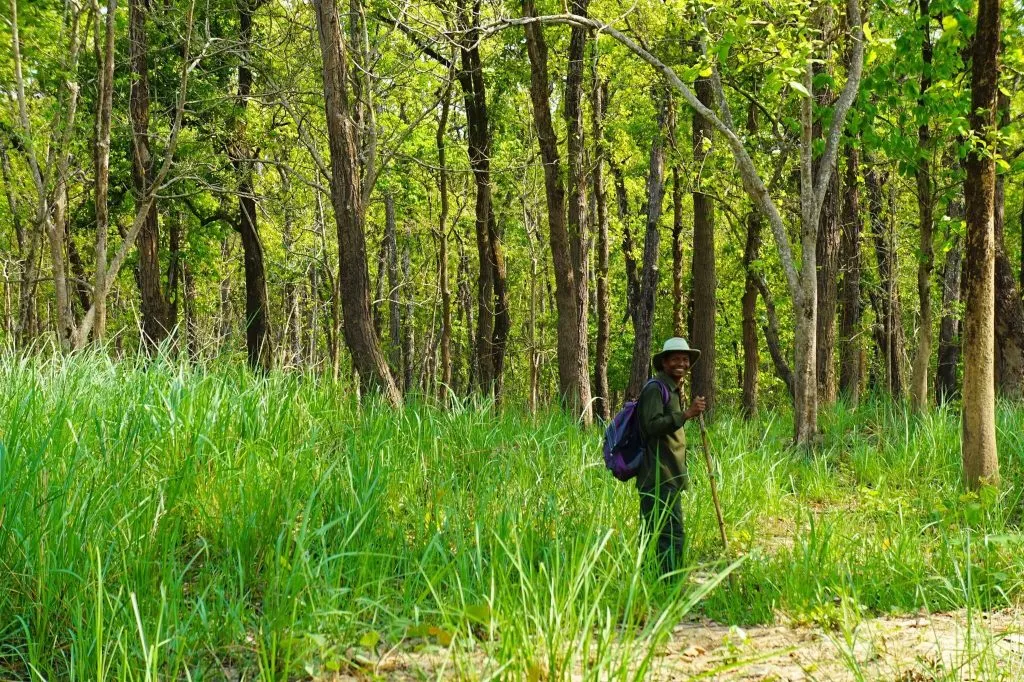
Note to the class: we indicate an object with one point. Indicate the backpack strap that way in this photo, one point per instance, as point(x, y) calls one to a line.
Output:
point(665, 395)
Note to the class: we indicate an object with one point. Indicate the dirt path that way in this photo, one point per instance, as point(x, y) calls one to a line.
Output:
point(950, 646)
point(904, 649)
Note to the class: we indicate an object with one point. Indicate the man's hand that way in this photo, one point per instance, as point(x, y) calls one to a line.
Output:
point(697, 407)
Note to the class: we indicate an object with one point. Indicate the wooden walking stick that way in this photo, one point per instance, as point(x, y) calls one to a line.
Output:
point(714, 484)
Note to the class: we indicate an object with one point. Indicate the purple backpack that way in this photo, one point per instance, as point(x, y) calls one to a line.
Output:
point(623, 444)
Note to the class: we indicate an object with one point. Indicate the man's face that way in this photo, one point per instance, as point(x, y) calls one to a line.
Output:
point(676, 365)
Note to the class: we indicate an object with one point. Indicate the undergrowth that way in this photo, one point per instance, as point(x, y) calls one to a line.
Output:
point(160, 521)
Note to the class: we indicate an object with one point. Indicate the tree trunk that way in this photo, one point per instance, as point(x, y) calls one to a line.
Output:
point(492, 324)
point(828, 288)
point(258, 340)
point(751, 361)
point(805, 300)
point(409, 323)
point(949, 327)
point(156, 318)
point(573, 377)
point(353, 275)
point(925, 208)
point(442, 256)
point(602, 402)
point(678, 323)
point(394, 306)
point(579, 239)
point(101, 159)
point(703, 279)
point(643, 314)
point(981, 463)
point(850, 346)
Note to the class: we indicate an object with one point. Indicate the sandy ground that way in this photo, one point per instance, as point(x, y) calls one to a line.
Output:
point(950, 646)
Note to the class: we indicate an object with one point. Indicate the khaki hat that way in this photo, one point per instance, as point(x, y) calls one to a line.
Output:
point(675, 345)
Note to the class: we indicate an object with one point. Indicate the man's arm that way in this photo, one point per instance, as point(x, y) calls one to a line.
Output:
point(656, 418)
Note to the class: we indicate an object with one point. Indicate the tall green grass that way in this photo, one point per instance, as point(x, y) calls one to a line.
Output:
point(159, 521)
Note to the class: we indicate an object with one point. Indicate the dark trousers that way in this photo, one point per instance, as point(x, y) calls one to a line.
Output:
point(661, 516)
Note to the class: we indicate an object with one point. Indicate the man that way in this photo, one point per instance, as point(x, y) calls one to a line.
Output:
point(663, 476)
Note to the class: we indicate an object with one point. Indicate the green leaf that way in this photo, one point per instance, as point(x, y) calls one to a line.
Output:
point(949, 23)
point(370, 639)
point(799, 87)
point(706, 72)
point(868, 36)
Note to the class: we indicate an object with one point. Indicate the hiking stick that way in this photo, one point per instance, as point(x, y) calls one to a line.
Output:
point(714, 484)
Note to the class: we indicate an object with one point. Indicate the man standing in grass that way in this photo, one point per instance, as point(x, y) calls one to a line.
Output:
point(663, 476)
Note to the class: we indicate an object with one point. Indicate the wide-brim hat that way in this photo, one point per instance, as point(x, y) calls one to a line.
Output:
point(675, 345)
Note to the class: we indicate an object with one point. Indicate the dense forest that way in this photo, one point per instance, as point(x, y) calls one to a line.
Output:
point(460, 198)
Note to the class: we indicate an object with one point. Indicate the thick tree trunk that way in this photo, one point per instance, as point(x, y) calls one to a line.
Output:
point(925, 208)
point(579, 238)
point(353, 276)
point(602, 399)
point(101, 161)
point(850, 345)
point(156, 315)
point(643, 314)
point(573, 377)
point(703, 279)
point(981, 463)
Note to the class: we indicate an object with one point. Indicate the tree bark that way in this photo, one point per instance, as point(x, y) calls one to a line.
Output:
point(493, 322)
point(101, 160)
point(579, 237)
point(827, 257)
point(703, 278)
point(643, 314)
point(353, 275)
point(925, 209)
point(573, 377)
point(678, 307)
point(981, 463)
point(156, 314)
point(950, 326)
point(394, 305)
point(602, 399)
point(442, 256)
point(409, 321)
point(850, 346)
point(258, 339)
point(751, 360)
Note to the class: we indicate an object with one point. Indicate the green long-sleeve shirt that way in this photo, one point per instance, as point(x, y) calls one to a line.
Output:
point(661, 426)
